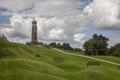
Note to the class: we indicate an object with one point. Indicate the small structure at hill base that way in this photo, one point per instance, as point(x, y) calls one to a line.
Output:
point(58, 59)
point(118, 67)
point(93, 63)
point(38, 55)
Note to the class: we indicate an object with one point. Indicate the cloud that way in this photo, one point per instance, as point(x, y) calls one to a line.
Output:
point(56, 34)
point(17, 28)
point(79, 37)
point(49, 30)
point(16, 5)
point(57, 8)
point(104, 14)
point(58, 20)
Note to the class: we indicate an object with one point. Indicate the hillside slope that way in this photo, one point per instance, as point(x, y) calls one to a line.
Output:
point(19, 62)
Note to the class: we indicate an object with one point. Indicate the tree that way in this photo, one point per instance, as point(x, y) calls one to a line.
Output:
point(115, 50)
point(66, 46)
point(78, 50)
point(96, 46)
point(53, 44)
point(58, 45)
point(89, 48)
point(3, 38)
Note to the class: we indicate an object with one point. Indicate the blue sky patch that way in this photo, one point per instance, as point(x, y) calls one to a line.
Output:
point(4, 19)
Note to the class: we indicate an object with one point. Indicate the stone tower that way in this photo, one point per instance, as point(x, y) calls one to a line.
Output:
point(34, 32)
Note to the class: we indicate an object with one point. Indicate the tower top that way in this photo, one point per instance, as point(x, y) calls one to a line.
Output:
point(34, 21)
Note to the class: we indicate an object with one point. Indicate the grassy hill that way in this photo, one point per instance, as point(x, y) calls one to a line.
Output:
point(19, 62)
point(109, 58)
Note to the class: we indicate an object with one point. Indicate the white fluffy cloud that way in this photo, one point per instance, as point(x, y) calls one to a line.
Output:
point(16, 5)
point(18, 28)
point(79, 37)
point(104, 14)
point(57, 7)
point(46, 8)
point(56, 34)
point(58, 20)
point(52, 29)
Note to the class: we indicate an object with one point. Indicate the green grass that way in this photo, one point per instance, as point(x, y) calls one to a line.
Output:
point(71, 51)
point(19, 62)
point(109, 58)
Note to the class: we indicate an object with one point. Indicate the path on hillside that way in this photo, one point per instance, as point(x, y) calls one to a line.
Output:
point(89, 57)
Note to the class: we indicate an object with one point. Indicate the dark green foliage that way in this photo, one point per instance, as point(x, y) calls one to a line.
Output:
point(115, 50)
point(65, 46)
point(53, 44)
point(62, 46)
point(59, 45)
point(96, 46)
point(78, 50)
point(3, 38)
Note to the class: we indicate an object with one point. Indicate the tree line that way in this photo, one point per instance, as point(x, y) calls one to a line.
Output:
point(97, 45)
point(65, 46)
point(115, 50)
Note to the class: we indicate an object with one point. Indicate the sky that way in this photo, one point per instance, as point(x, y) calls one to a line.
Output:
point(71, 21)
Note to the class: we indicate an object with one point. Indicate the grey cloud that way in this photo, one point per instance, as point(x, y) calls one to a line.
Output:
point(49, 30)
point(17, 5)
point(59, 20)
point(104, 14)
point(16, 34)
point(56, 8)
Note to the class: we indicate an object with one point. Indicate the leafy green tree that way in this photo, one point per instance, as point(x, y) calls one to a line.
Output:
point(59, 45)
point(53, 44)
point(67, 46)
point(89, 48)
point(115, 50)
point(96, 46)
point(78, 50)
point(3, 38)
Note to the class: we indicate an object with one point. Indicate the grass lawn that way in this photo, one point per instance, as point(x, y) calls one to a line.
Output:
point(19, 62)
point(70, 51)
point(110, 58)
